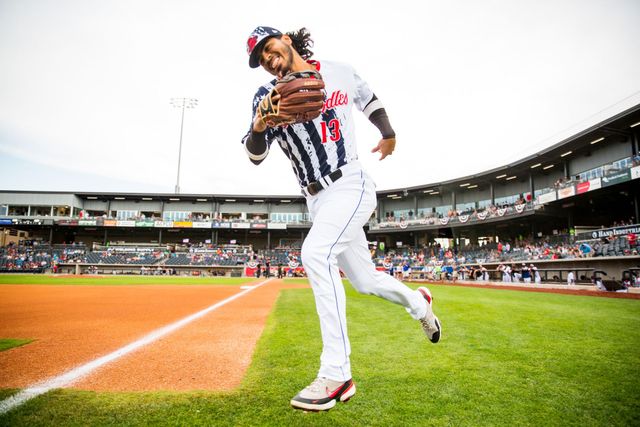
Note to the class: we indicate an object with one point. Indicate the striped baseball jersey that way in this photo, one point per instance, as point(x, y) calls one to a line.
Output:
point(321, 146)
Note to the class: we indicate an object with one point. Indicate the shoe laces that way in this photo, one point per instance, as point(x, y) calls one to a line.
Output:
point(317, 385)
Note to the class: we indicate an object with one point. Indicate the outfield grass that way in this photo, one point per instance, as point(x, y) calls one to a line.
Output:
point(39, 279)
point(506, 358)
point(7, 343)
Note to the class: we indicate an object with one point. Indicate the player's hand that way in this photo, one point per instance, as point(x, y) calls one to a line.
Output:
point(385, 147)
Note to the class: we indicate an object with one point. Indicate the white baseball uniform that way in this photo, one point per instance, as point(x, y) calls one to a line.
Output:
point(339, 212)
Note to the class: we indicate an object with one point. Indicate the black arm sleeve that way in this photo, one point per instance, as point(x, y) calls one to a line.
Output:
point(380, 119)
point(376, 113)
point(256, 146)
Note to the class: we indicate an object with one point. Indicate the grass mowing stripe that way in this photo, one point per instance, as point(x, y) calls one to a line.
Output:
point(39, 279)
point(506, 358)
point(7, 343)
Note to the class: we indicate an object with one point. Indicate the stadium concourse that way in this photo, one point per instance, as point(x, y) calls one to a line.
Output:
point(571, 210)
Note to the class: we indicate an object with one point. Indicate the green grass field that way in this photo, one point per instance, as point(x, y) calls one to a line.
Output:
point(31, 279)
point(7, 343)
point(506, 358)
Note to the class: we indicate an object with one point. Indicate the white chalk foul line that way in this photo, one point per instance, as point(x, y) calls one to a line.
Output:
point(75, 374)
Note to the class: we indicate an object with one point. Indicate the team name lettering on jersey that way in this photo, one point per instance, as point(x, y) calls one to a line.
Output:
point(337, 98)
point(321, 146)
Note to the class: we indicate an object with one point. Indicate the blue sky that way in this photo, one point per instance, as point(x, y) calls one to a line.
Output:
point(85, 86)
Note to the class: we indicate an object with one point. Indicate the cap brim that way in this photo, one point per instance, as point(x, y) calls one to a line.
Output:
point(254, 58)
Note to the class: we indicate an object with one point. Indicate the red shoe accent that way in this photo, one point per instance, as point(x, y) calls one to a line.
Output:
point(425, 295)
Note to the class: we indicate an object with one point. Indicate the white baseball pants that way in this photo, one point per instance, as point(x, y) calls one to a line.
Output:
point(337, 241)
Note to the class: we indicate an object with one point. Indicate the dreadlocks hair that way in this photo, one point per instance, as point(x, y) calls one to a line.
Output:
point(302, 42)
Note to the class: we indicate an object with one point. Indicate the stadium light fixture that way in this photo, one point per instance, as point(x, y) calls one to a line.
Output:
point(466, 184)
point(147, 198)
point(547, 167)
point(119, 198)
point(537, 165)
point(501, 176)
point(201, 200)
point(427, 191)
point(472, 186)
point(392, 195)
point(182, 103)
point(435, 192)
point(92, 198)
point(635, 124)
point(229, 200)
point(511, 177)
point(285, 201)
point(258, 201)
point(171, 199)
point(566, 154)
point(595, 141)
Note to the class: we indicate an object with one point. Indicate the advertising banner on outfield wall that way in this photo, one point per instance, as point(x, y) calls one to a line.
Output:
point(592, 184)
point(258, 225)
point(546, 197)
point(110, 222)
point(610, 232)
point(88, 222)
point(277, 226)
point(220, 225)
point(163, 224)
point(125, 223)
point(563, 193)
point(242, 225)
point(616, 178)
point(67, 222)
point(146, 223)
point(182, 224)
point(200, 224)
point(635, 172)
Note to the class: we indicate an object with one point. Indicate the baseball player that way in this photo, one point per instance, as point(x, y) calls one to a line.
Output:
point(340, 196)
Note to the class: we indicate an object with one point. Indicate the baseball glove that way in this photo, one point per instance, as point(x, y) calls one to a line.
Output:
point(297, 97)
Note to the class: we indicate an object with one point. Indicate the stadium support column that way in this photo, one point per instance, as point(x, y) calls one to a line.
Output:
point(105, 237)
point(415, 206)
point(453, 200)
point(531, 185)
point(492, 194)
point(51, 232)
point(159, 236)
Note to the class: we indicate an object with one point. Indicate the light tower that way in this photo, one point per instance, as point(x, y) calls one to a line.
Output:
point(182, 103)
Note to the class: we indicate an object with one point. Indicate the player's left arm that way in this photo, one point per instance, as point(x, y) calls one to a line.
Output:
point(370, 105)
point(375, 112)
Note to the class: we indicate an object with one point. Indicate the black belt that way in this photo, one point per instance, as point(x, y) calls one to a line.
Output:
point(317, 186)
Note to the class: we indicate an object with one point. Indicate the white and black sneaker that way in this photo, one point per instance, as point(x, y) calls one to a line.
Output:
point(323, 393)
point(430, 323)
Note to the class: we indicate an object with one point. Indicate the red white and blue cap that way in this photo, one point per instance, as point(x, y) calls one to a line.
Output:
point(256, 41)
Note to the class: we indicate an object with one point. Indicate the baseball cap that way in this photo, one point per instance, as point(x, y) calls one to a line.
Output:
point(256, 41)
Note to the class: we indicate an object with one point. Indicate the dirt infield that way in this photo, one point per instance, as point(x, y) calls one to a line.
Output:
point(74, 325)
